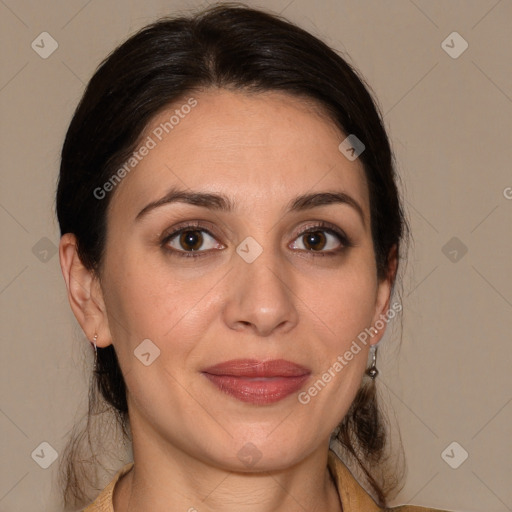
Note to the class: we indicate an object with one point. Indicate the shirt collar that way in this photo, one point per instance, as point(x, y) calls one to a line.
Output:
point(353, 497)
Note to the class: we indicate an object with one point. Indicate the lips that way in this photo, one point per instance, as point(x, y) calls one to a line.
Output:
point(258, 382)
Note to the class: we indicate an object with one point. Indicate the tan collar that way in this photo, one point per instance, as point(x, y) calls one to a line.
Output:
point(104, 503)
point(353, 497)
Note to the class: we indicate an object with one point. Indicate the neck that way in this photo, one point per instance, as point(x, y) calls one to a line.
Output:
point(164, 482)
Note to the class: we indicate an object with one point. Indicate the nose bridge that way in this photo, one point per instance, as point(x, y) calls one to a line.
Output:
point(260, 294)
point(266, 271)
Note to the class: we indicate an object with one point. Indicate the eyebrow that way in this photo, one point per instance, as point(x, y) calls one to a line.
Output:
point(220, 202)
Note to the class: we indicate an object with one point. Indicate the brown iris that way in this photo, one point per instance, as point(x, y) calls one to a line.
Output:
point(191, 240)
point(314, 240)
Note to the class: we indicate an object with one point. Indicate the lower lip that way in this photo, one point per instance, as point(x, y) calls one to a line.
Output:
point(261, 391)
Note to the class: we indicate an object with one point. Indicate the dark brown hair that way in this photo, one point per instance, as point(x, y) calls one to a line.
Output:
point(226, 46)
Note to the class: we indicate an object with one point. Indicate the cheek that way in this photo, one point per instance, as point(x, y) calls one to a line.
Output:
point(345, 302)
point(348, 306)
point(145, 302)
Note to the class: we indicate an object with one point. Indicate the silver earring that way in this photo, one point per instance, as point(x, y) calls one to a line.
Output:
point(95, 351)
point(372, 371)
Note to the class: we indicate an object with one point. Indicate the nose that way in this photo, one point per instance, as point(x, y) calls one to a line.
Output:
point(260, 296)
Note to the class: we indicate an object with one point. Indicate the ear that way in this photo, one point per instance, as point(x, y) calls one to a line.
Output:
point(84, 292)
point(384, 289)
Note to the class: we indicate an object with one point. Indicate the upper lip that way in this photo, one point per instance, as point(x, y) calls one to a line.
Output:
point(255, 368)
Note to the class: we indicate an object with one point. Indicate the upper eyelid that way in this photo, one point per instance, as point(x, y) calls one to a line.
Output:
point(200, 227)
point(189, 226)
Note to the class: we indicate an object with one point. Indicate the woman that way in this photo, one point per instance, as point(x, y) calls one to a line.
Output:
point(231, 232)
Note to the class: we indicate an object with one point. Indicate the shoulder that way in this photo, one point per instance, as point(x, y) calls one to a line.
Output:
point(354, 497)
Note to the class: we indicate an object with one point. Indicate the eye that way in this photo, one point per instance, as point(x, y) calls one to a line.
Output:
point(320, 239)
point(191, 239)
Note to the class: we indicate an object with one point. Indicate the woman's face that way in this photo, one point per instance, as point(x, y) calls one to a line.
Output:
point(260, 275)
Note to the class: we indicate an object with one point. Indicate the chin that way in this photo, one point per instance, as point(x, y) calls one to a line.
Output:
point(260, 454)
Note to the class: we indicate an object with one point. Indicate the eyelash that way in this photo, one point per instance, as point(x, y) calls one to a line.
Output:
point(198, 226)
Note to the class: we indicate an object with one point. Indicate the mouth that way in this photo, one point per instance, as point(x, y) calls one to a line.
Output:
point(258, 382)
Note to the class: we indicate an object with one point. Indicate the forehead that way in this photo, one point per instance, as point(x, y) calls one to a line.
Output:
point(260, 148)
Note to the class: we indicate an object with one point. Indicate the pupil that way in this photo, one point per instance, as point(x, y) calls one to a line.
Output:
point(314, 239)
point(191, 240)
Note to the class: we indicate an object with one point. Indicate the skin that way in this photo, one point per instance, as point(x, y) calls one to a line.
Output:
point(261, 150)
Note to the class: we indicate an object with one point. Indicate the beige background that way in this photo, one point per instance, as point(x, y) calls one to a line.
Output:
point(451, 123)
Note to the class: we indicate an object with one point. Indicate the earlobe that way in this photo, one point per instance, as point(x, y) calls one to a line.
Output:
point(84, 292)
